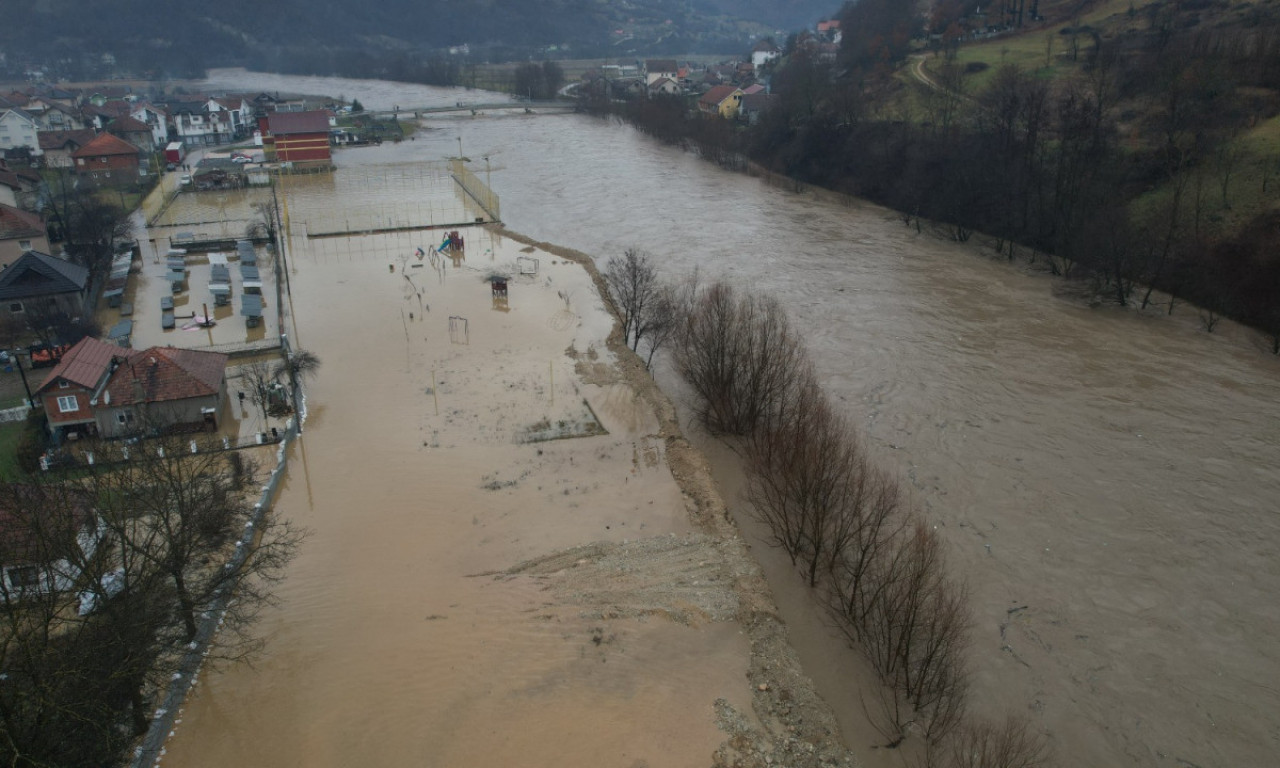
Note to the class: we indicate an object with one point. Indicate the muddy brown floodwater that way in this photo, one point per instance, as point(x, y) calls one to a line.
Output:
point(1107, 480)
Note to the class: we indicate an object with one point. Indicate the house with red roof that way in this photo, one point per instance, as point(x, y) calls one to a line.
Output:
point(107, 160)
point(101, 389)
point(20, 231)
point(296, 136)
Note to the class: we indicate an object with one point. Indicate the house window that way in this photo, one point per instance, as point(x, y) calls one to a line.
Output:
point(24, 577)
point(64, 384)
point(15, 307)
point(125, 417)
point(24, 245)
point(68, 404)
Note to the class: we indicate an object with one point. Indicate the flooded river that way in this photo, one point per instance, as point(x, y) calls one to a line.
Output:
point(1107, 480)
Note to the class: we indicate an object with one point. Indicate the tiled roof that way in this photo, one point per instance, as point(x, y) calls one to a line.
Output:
point(660, 65)
point(161, 374)
point(58, 139)
point(105, 144)
point(84, 364)
point(127, 124)
point(716, 95)
point(39, 274)
point(284, 123)
point(16, 223)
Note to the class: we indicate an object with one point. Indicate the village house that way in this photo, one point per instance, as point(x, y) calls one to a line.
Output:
point(764, 52)
point(43, 538)
point(107, 161)
point(58, 146)
point(156, 119)
point(39, 284)
point(657, 69)
point(755, 104)
point(20, 231)
point(19, 187)
point(101, 389)
point(237, 108)
point(133, 131)
point(18, 129)
point(296, 136)
point(721, 101)
point(664, 87)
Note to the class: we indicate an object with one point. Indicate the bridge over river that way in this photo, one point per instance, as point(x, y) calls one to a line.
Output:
point(535, 107)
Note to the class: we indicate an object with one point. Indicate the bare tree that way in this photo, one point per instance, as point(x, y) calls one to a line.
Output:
point(739, 355)
point(633, 284)
point(1009, 743)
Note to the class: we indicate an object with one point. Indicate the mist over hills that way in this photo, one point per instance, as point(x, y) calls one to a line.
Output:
point(181, 36)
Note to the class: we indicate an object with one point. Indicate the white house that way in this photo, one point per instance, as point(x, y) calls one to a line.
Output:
point(42, 540)
point(154, 117)
point(764, 52)
point(18, 129)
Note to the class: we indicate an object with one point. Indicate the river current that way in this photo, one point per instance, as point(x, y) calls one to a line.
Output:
point(1107, 480)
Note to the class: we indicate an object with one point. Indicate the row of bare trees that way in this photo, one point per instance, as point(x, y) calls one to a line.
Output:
point(846, 524)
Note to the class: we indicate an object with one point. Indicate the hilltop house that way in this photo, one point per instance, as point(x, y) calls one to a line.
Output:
point(764, 52)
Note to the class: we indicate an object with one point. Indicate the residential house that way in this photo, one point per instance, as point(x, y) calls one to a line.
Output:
point(133, 131)
point(721, 101)
point(297, 136)
point(44, 536)
point(830, 32)
point(656, 69)
point(20, 231)
point(156, 119)
point(18, 129)
point(19, 187)
point(162, 388)
point(71, 388)
point(664, 87)
point(107, 161)
point(98, 388)
point(193, 124)
point(40, 284)
point(58, 146)
point(239, 110)
point(764, 52)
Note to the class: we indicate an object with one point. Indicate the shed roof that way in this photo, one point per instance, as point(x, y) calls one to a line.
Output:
point(59, 139)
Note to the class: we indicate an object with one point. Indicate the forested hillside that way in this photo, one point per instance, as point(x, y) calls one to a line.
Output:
point(1125, 146)
point(183, 36)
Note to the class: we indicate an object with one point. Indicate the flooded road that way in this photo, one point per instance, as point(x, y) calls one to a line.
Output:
point(1107, 480)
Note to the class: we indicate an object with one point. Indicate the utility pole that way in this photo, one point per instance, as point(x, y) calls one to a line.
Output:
point(18, 361)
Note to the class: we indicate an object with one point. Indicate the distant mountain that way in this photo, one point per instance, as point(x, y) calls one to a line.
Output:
point(194, 34)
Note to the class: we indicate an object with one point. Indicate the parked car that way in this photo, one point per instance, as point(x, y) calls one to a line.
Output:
point(185, 179)
point(241, 159)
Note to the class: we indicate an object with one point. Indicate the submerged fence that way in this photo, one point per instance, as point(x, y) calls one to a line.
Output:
point(476, 189)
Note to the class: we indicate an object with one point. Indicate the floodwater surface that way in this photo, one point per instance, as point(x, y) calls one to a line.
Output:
point(1106, 479)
